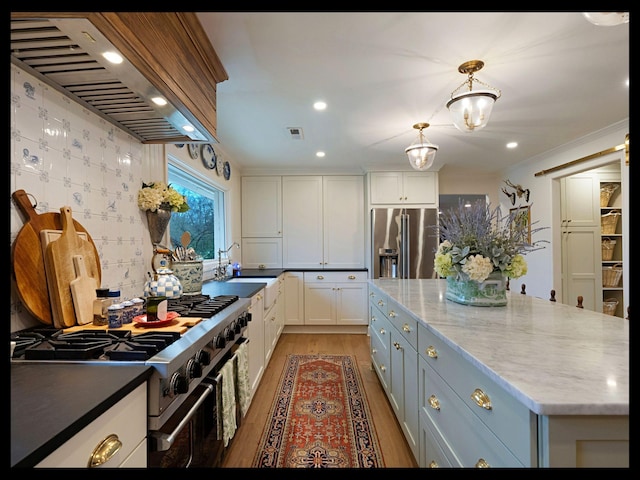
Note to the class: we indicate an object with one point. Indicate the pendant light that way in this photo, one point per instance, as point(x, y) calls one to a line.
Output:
point(470, 110)
point(421, 153)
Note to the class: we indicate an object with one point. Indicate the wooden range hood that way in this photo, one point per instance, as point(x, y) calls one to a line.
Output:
point(166, 54)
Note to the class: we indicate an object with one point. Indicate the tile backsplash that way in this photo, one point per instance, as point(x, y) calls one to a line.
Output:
point(62, 154)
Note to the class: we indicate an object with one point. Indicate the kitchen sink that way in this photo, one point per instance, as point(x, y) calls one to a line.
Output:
point(271, 291)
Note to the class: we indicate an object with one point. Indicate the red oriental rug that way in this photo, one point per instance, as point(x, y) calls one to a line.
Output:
point(319, 418)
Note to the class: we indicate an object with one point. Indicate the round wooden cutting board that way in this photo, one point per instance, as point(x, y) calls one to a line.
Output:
point(28, 261)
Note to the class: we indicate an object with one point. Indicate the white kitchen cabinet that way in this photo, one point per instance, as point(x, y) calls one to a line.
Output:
point(125, 422)
point(255, 333)
point(272, 326)
point(403, 188)
point(335, 298)
point(262, 206)
point(293, 298)
point(262, 252)
point(323, 222)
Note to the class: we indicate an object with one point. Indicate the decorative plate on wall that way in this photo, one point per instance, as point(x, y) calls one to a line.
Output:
point(227, 170)
point(220, 167)
point(194, 150)
point(208, 156)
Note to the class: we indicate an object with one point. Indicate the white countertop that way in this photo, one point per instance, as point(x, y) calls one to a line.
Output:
point(556, 359)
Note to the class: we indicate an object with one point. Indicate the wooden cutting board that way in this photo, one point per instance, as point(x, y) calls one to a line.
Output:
point(60, 271)
point(27, 257)
point(180, 324)
point(83, 291)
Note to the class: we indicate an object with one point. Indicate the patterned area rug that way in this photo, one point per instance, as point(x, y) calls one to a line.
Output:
point(319, 418)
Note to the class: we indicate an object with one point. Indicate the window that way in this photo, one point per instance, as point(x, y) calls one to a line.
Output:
point(205, 219)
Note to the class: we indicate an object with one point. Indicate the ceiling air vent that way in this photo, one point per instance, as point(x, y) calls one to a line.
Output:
point(295, 133)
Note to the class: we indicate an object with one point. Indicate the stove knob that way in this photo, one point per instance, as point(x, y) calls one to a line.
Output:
point(179, 384)
point(204, 357)
point(221, 341)
point(230, 335)
point(238, 326)
point(194, 368)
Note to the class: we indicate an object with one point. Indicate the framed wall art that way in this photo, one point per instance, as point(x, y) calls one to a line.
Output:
point(522, 218)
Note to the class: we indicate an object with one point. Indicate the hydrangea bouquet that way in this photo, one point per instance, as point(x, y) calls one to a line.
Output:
point(479, 240)
point(158, 195)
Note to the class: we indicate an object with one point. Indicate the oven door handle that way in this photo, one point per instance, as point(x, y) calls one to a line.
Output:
point(163, 441)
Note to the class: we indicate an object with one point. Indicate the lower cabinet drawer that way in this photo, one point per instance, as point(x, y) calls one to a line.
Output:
point(380, 358)
point(431, 452)
point(471, 441)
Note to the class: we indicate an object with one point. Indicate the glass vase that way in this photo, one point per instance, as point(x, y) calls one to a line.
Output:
point(490, 293)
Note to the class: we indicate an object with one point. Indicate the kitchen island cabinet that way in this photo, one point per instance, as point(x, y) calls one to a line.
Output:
point(532, 384)
point(46, 412)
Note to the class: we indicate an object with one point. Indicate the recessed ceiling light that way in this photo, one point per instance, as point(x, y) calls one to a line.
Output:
point(320, 154)
point(512, 144)
point(113, 57)
point(159, 101)
point(320, 105)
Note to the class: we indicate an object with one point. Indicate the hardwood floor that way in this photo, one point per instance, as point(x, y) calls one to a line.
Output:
point(395, 450)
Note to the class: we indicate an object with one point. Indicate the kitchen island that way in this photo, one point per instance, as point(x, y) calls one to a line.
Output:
point(562, 373)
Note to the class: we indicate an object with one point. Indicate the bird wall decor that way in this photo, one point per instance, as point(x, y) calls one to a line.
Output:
point(519, 190)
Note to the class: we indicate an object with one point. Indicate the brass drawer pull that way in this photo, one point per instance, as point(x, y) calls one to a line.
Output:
point(373, 319)
point(397, 345)
point(383, 368)
point(352, 277)
point(380, 303)
point(482, 463)
point(431, 352)
point(433, 464)
point(105, 451)
point(374, 351)
point(382, 331)
point(434, 402)
point(320, 277)
point(406, 328)
point(392, 314)
point(481, 399)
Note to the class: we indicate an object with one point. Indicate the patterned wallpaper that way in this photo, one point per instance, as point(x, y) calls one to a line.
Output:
point(64, 155)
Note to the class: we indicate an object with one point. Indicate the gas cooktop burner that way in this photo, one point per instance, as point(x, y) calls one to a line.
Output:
point(99, 344)
point(200, 305)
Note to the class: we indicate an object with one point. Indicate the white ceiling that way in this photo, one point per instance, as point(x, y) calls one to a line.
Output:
point(561, 78)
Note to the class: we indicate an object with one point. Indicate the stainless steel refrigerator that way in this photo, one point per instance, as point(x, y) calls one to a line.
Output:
point(403, 242)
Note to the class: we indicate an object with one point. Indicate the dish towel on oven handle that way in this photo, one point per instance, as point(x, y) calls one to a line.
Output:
point(242, 378)
point(228, 402)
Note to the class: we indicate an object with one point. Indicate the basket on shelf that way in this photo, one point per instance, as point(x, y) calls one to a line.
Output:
point(606, 191)
point(607, 248)
point(609, 222)
point(609, 306)
point(611, 276)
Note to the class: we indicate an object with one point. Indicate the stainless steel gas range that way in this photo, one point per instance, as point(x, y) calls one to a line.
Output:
point(181, 389)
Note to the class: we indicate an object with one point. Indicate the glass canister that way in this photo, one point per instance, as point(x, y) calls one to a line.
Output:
point(100, 307)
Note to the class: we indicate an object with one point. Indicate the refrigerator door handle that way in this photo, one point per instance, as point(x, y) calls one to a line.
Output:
point(405, 247)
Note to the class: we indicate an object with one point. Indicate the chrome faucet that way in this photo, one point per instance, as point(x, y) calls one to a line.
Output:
point(221, 270)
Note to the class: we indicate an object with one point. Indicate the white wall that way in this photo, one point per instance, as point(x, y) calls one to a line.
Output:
point(544, 272)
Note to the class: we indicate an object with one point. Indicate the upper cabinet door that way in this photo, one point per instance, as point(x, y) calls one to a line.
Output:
point(262, 206)
point(580, 201)
point(404, 188)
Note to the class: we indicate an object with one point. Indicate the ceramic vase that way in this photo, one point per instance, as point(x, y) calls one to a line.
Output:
point(158, 222)
point(490, 293)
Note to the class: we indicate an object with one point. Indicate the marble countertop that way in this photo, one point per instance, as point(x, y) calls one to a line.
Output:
point(556, 359)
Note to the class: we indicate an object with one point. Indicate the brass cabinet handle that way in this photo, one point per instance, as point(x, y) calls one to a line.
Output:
point(431, 352)
point(320, 277)
point(371, 294)
point(352, 277)
point(482, 463)
point(103, 452)
point(380, 303)
point(433, 464)
point(374, 350)
point(392, 314)
point(481, 399)
point(406, 328)
point(383, 368)
point(373, 318)
point(397, 345)
point(382, 331)
point(434, 402)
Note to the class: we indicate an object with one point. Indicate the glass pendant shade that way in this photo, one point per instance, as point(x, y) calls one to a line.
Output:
point(470, 111)
point(421, 153)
